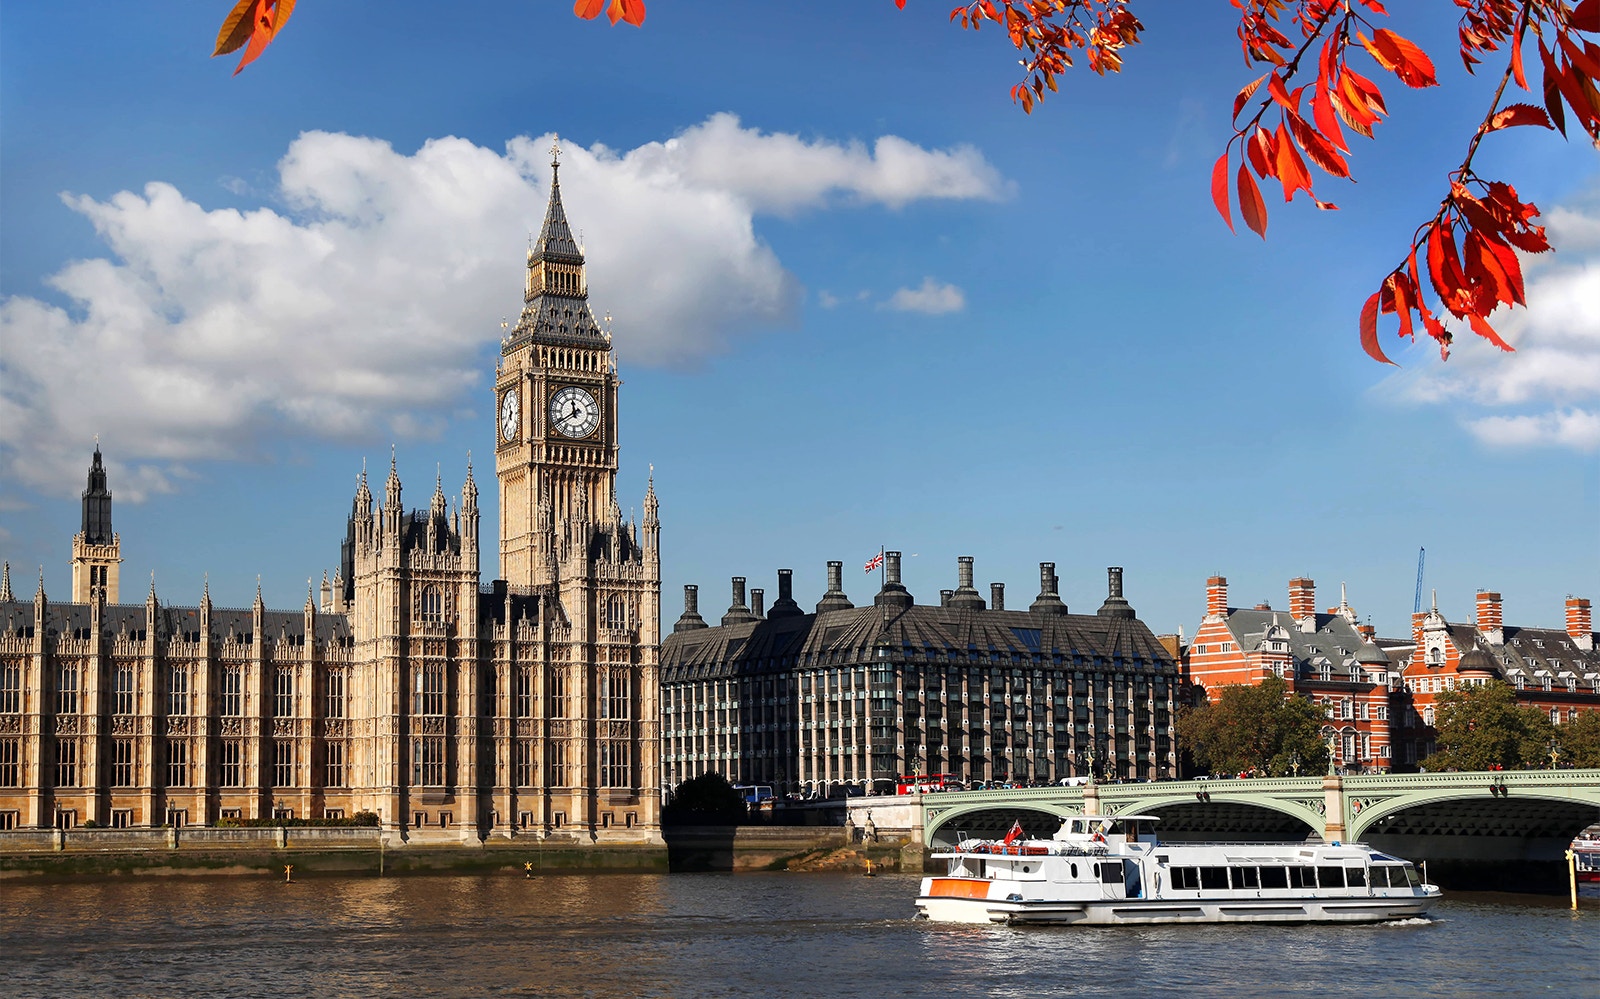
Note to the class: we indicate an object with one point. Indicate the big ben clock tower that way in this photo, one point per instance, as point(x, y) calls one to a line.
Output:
point(595, 579)
point(556, 400)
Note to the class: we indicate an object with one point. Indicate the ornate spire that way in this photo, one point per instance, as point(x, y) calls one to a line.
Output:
point(469, 488)
point(556, 294)
point(97, 503)
point(555, 237)
point(5, 584)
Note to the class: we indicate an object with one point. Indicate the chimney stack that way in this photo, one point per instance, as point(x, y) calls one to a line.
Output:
point(1116, 605)
point(1489, 619)
point(894, 593)
point(758, 602)
point(1049, 599)
point(691, 619)
point(1580, 623)
point(944, 597)
point(835, 598)
point(738, 613)
point(964, 596)
point(785, 606)
point(997, 596)
point(1303, 603)
point(1217, 597)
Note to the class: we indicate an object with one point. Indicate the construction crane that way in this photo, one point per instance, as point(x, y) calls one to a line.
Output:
point(1416, 605)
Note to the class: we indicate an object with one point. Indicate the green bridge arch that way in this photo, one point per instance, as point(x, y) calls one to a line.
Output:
point(1481, 816)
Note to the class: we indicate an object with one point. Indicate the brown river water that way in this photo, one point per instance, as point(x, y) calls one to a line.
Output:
point(713, 935)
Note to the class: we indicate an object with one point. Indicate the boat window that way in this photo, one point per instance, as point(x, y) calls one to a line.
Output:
point(1356, 876)
point(1213, 878)
point(1111, 872)
point(1274, 877)
point(1186, 878)
point(1411, 877)
point(1331, 877)
point(1245, 877)
point(1074, 869)
point(1077, 826)
point(1302, 877)
point(1380, 877)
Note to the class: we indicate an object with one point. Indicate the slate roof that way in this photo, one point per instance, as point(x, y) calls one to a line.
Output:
point(1335, 640)
point(1532, 653)
point(931, 637)
point(73, 619)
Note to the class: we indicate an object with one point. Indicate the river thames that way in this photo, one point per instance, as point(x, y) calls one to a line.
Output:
point(708, 935)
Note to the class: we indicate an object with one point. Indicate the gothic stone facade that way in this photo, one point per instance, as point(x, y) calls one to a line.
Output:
point(848, 699)
point(451, 709)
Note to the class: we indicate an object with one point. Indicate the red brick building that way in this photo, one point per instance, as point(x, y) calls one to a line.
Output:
point(1326, 657)
point(1555, 670)
point(1378, 694)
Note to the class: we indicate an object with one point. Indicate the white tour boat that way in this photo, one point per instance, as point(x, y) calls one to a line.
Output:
point(1110, 869)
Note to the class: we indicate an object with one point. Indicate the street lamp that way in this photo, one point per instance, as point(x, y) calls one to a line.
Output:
point(1331, 743)
point(1294, 763)
point(1555, 752)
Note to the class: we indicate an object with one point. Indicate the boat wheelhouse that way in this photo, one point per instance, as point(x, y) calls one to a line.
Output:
point(1106, 869)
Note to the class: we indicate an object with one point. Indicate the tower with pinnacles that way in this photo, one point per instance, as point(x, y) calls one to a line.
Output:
point(453, 710)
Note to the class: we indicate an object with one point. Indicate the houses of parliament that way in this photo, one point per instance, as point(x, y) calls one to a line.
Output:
point(451, 708)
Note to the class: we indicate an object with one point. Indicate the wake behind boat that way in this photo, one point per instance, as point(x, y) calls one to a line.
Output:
point(1104, 869)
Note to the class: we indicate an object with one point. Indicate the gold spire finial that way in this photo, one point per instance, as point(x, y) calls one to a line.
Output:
point(555, 149)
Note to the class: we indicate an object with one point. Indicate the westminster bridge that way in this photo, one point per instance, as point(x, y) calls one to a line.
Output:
point(1488, 829)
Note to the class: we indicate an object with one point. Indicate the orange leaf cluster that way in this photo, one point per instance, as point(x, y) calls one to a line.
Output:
point(252, 24)
point(631, 11)
point(1049, 31)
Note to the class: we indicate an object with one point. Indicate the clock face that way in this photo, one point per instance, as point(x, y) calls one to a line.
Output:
point(573, 412)
point(509, 411)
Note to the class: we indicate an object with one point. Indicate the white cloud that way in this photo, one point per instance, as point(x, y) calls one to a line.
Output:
point(931, 298)
point(1577, 428)
point(360, 306)
point(1549, 388)
point(827, 300)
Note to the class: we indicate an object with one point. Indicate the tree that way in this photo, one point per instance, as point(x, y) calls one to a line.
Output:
point(1483, 728)
point(1298, 111)
point(1580, 740)
point(707, 800)
point(1255, 727)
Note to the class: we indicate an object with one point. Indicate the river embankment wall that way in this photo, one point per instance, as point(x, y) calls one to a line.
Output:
point(89, 853)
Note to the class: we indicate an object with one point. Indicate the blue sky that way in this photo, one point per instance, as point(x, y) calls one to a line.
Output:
point(859, 299)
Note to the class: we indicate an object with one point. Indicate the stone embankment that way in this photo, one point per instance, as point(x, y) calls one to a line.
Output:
point(354, 851)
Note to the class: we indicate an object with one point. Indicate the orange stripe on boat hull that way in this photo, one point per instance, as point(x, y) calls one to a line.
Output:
point(958, 888)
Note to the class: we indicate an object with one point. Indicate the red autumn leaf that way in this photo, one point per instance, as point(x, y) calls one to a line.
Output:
point(1291, 170)
point(236, 27)
point(259, 21)
point(1369, 331)
point(1251, 208)
point(1586, 16)
point(1481, 327)
point(1409, 63)
point(1327, 121)
point(1316, 147)
point(1244, 95)
point(1519, 114)
point(1260, 152)
point(588, 9)
point(1219, 190)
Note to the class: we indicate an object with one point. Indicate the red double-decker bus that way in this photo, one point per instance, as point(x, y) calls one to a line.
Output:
point(918, 783)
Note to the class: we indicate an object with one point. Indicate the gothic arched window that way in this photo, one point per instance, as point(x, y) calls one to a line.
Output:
point(432, 611)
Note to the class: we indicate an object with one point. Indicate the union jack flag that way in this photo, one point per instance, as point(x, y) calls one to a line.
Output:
point(874, 562)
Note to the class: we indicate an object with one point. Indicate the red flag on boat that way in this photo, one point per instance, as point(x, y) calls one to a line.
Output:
point(1015, 833)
